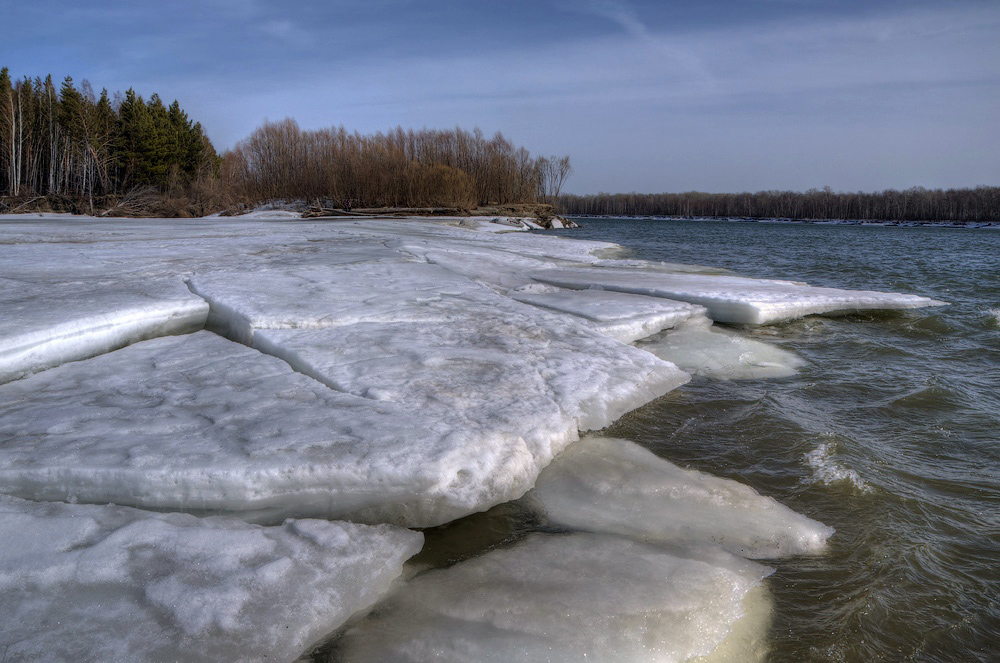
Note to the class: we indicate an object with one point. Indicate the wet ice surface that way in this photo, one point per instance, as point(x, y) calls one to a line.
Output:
point(561, 598)
point(702, 349)
point(397, 371)
point(112, 584)
point(617, 487)
point(619, 315)
point(734, 299)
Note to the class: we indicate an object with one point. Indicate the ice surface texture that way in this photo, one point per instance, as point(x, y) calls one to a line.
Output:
point(47, 323)
point(617, 487)
point(201, 423)
point(561, 598)
point(104, 584)
point(619, 315)
point(733, 299)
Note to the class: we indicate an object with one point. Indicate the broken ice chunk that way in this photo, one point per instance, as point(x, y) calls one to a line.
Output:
point(615, 486)
point(733, 299)
point(701, 349)
point(622, 316)
point(562, 598)
point(103, 583)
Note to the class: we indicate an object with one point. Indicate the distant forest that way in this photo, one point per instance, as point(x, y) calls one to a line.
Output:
point(400, 168)
point(916, 204)
point(71, 149)
point(86, 151)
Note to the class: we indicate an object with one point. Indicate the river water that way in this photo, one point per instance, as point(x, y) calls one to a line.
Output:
point(890, 433)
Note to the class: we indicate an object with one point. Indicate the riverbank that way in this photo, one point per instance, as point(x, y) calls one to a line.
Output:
point(396, 373)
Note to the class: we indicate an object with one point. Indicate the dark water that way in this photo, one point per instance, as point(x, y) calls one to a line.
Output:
point(890, 434)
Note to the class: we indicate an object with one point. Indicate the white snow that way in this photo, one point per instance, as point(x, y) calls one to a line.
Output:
point(619, 315)
point(733, 299)
point(107, 584)
point(702, 349)
point(615, 486)
point(561, 598)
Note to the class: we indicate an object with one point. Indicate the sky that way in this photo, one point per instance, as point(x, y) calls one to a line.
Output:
point(643, 95)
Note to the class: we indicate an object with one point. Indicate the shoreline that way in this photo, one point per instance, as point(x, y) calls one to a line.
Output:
point(489, 352)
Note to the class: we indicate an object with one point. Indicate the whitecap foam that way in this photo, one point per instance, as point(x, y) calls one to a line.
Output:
point(827, 470)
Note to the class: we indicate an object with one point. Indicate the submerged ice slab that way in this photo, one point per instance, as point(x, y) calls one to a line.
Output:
point(45, 323)
point(200, 423)
point(701, 349)
point(561, 598)
point(733, 299)
point(104, 584)
point(622, 316)
point(617, 487)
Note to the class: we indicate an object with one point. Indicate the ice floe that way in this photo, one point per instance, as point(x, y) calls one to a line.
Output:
point(198, 423)
point(619, 315)
point(560, 598)
point(615, 486)
point(702, 349)
point(104, 584)
point(733, 299)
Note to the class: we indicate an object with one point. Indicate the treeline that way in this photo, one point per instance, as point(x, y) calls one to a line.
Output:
point(95, 150)
point(915, 204)
point(399, 168)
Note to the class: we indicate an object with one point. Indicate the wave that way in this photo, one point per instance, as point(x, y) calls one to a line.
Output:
point(828, 471)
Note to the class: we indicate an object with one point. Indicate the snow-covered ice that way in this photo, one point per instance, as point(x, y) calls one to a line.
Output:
point(702, 349)
point(617, 487)
point(619, 315)
point(733, 299)
point(49, 322)
point(105, 584)
point(200, 423)
point(560, 598)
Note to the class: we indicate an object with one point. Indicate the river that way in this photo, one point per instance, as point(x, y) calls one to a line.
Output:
point(890, 433)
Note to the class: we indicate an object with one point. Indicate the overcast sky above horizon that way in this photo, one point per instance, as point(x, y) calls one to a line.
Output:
point(647, 96)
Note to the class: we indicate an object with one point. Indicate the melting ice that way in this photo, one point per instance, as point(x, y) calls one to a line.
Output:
point(615, 486)
point(702, 349)
point(404, 372)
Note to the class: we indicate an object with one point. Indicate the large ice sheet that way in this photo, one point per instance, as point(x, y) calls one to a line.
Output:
point(107, 584)
point(615, 486)
point(198, 422)
point(45, 323)
point(733, 299)
point(622, 316)
point(484, 361)
point(561, 598)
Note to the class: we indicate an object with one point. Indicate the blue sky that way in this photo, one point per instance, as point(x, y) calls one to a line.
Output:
point(715, 95)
